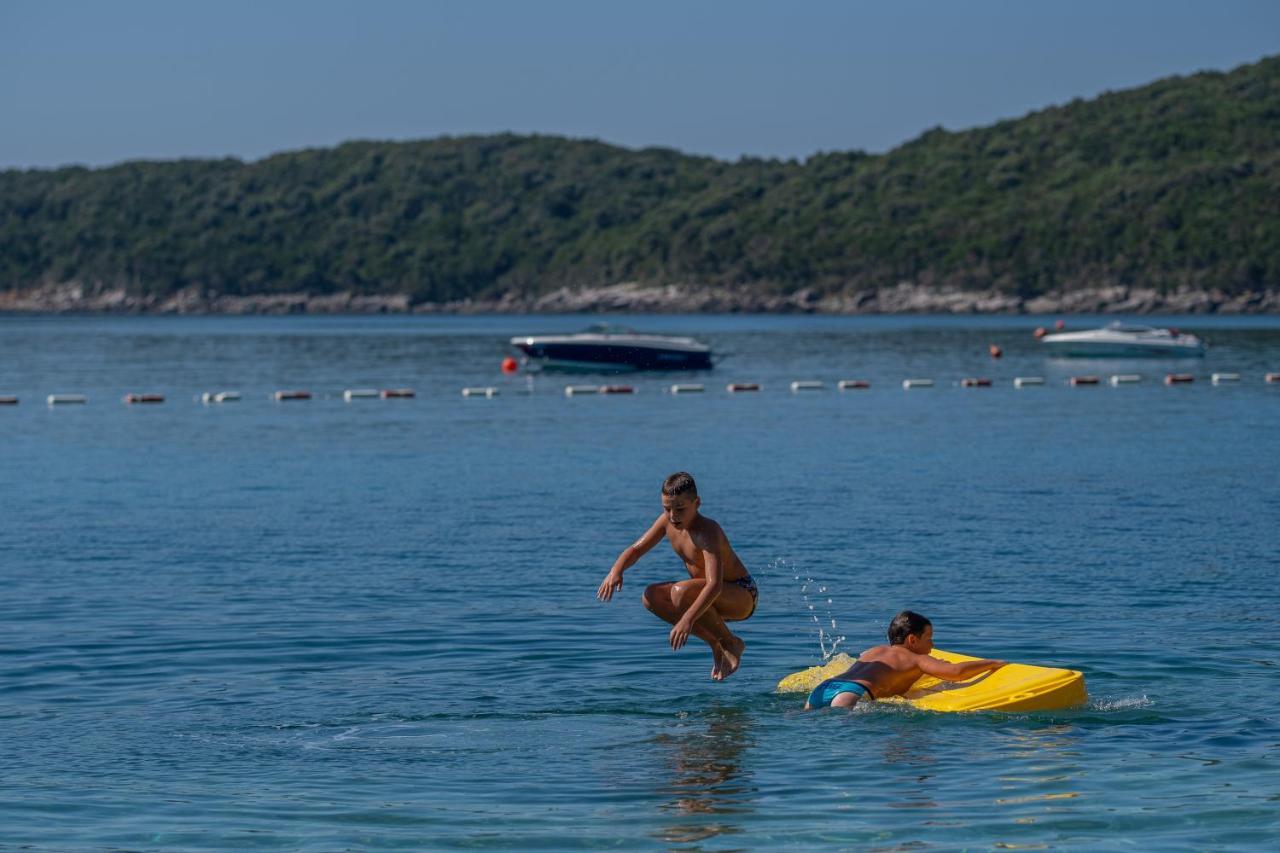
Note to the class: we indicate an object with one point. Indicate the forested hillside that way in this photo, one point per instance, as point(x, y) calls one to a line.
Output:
point(1170, 185)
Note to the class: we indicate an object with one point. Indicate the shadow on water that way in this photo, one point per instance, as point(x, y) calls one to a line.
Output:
point(706, 792)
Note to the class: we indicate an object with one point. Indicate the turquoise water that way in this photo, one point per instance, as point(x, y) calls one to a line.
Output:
point(323, 625)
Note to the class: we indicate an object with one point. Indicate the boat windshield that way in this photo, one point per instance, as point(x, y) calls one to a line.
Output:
point(1133, 330)
point(608, 329)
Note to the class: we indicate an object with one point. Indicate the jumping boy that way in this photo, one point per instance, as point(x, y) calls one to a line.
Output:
point(890, 670)
point(719, 587)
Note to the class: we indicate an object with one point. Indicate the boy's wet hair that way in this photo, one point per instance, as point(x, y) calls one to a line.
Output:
point(904, 625)
point(679, 483)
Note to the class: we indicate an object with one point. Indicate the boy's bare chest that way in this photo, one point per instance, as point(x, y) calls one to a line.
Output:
point(682, 543)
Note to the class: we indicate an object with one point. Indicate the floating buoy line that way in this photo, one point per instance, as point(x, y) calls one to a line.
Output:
point(798, 386)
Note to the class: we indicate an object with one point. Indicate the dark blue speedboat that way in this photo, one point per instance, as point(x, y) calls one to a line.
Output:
point(611, 348)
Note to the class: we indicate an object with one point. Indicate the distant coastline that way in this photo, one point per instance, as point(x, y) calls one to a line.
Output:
point(904, 298)
point(1159, 199)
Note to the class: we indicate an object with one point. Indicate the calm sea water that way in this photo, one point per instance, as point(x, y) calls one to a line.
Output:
point(329, 625)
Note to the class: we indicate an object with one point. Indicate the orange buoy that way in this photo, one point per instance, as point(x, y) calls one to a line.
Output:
point(995, 351)
point(1179, 379)
point(144, 398)
point(396, 393)
point(510, 365)
point(617, 389)
point(1084, 380)
point(1272, 378)
point(739, 387)
point(1040, 332)
point(977, 382)
point(1059, 324)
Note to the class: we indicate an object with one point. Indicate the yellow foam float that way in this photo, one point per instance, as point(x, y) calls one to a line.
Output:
point(1013, 687)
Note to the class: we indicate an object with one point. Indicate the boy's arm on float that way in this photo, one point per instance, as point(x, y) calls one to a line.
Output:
point(955, 671)
point(613, 581)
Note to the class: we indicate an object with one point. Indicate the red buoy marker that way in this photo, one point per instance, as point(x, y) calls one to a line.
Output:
point(510, 365)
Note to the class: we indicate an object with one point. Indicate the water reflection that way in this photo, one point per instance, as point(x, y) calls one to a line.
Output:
point(705, 783)
point(914, 749)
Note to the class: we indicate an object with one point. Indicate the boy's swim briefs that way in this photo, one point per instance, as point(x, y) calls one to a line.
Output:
point(749, 584)
point(831, 688)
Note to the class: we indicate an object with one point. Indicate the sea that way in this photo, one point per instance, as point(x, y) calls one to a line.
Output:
point(372, 624)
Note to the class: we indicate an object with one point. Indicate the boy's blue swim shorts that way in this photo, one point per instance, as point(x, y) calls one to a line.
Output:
point(831, 688)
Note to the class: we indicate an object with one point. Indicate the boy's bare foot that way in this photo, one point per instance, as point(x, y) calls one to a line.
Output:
point(731, 657)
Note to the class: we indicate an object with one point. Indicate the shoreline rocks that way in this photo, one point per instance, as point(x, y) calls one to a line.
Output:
point(903, 298)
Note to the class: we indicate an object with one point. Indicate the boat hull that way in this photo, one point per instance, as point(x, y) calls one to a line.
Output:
point(1083, 349)
point(611, 357)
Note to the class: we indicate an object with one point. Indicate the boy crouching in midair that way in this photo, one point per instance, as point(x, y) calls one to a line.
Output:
point(719, 588)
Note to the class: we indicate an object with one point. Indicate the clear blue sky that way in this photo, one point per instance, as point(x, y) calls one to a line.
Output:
point(101, 82)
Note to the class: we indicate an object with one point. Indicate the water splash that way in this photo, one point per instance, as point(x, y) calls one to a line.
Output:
point(1128, 703)
point(818, 604)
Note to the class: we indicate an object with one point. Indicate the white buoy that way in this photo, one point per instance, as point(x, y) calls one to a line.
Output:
point(220, 397)
point(1125, 379)
point(806, 385)
point(1224, 378)
point(853, 385)
point(575, 390)
point(908, 384)
point(360, 394)
point(688, 388)
point(487, 392)
point(66, 399)
point(1027, 381)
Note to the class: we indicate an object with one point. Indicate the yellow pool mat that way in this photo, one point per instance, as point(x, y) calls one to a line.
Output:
point(1013, 687)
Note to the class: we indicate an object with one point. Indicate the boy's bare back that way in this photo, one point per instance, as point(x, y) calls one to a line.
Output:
point(889, 670)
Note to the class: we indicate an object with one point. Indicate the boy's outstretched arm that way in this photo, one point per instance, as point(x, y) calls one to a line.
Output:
point(955, 671)
point(613, 581)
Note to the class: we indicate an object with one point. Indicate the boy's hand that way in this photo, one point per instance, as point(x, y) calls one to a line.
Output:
point(680, 633)
point(611, 584)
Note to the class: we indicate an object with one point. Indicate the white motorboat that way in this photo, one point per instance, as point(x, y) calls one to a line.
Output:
point(612, 348)
point(1119, 340)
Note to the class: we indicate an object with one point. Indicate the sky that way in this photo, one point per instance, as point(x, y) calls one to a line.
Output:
point(102, 82)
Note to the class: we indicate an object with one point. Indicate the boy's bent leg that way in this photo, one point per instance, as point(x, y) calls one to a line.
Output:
point(669, 603)
point(733, 602)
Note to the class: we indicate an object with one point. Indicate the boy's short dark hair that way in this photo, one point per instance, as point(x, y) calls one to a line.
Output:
point(904, 625)
point(679, 483)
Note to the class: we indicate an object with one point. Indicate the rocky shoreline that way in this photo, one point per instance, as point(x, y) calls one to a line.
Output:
point(905, 298)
